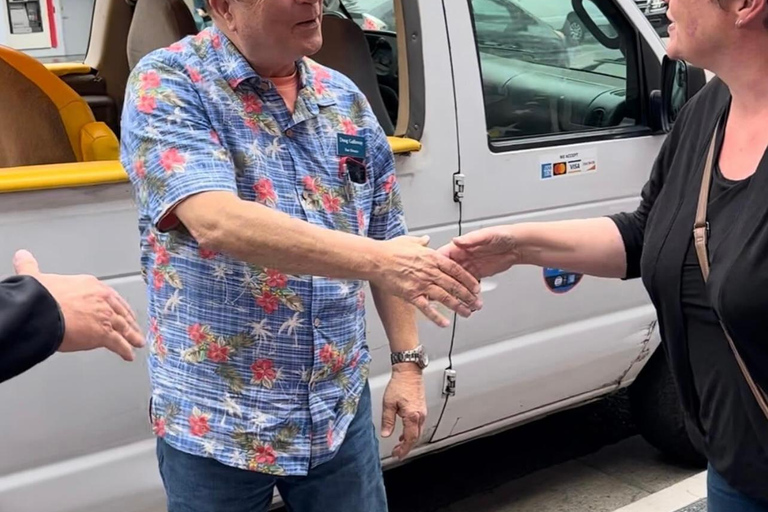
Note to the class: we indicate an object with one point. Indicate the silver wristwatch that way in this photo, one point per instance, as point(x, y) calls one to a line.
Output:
point(417, 355)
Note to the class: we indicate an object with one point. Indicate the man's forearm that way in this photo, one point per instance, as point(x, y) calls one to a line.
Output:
point(268, 238)
point(591, 246)
point(399, 320)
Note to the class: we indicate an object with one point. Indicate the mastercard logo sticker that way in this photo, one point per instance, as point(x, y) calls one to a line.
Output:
point(560, 169)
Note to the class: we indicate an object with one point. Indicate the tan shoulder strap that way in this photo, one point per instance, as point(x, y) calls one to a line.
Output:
point(700, 237)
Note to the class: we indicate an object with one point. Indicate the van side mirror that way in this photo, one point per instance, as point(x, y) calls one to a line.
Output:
point(679, 83)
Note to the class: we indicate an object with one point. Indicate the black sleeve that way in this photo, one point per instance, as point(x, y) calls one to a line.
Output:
point(632, 225)
point(31, 325)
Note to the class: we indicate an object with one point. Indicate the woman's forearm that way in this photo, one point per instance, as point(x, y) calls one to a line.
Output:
point(591, 246)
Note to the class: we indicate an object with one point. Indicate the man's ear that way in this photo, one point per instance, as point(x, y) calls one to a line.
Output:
point(222, 11)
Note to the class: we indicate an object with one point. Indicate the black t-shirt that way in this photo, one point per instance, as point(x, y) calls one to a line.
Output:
point(732, 430)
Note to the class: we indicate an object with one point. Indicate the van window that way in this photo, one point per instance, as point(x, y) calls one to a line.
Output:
point(546, 73)
point(56, 31)
point(374, 15)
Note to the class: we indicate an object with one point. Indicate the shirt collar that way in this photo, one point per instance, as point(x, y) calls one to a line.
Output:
point(235, 69)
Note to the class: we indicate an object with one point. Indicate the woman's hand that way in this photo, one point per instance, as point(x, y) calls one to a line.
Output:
point(485, 252)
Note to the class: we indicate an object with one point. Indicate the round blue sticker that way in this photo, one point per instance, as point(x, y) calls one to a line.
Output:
point(561, 281)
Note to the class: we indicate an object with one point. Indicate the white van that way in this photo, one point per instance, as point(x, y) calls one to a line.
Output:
point(493, 121)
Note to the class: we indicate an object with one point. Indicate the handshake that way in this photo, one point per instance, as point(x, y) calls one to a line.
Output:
point(450, 275)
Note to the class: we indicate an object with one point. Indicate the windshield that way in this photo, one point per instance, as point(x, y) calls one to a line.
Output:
point(369, 14)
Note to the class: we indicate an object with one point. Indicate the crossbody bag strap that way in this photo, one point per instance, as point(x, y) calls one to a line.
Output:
point(700, 237)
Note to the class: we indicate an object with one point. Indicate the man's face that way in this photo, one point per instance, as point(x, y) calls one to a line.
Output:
point(290, 29)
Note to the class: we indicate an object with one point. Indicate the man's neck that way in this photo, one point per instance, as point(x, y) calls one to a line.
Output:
point(267, 66)
point(272, 70)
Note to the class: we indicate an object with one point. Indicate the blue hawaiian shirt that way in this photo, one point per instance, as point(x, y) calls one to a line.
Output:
point(257, 369)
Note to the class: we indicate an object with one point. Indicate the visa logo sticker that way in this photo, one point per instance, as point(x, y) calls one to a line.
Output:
point(557, 165)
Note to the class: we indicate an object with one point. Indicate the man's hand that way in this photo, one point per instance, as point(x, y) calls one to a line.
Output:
point(404, 397)
point(485, 252)
point(95, 315)
point(417, 274)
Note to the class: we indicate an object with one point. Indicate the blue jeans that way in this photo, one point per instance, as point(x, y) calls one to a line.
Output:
point(351, 482)
point(721, 497)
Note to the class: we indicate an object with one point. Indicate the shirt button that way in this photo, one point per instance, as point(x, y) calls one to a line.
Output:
point(265, 86)
point(289, 133)
point(318, 323)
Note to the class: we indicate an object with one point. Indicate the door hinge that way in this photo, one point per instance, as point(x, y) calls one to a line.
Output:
point(449, 383)
point(458, 187)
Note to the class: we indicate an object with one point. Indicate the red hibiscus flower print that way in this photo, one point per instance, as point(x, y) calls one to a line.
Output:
point(194, 75)
point(319, 86)
point(338, 363)
point(233, 83)
point(154, 327)
point(331, 204)
point(252, 124)
point(150, 80)
point(158, 427)
point(355, 360)
point(310, 185)
point(265, 455)
point(276, 279)
point(349, 127)
point(152, 241)
point(265, 192)
point(146, 104)
point(215, 137)
point(321, 73)
point(361, 299)
point(269, 302)
point(160, 349)
point(218, 353)
point(329, 436)
point(176, 47)
point(327, 353)
point(216, 42)
point(198, 423)
point(389, 184)
point(207, 254)
point(196, 334)
point(140, 169)
point(264, 372)
point(172, 160)
point(158, 279)
point(252, 104)
point(361, 218)
point(162, 258)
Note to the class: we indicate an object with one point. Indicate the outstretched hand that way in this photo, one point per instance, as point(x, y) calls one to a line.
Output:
point(485, 252)
point(94, 314)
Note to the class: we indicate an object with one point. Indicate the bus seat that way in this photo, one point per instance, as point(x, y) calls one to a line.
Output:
point(158, 24)
point(44, 121)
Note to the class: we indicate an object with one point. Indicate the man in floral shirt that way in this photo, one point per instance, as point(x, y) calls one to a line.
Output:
point(267, 196)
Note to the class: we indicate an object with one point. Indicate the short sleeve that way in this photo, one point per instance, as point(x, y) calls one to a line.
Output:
point(387, 217)
point(168, 145)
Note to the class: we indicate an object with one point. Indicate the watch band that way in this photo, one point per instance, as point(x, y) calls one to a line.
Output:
point(416, 355)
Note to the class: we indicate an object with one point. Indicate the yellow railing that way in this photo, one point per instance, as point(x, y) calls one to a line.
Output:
point(86, 174)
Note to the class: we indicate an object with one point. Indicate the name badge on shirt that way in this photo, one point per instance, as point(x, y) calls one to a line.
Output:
point(350, 145)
